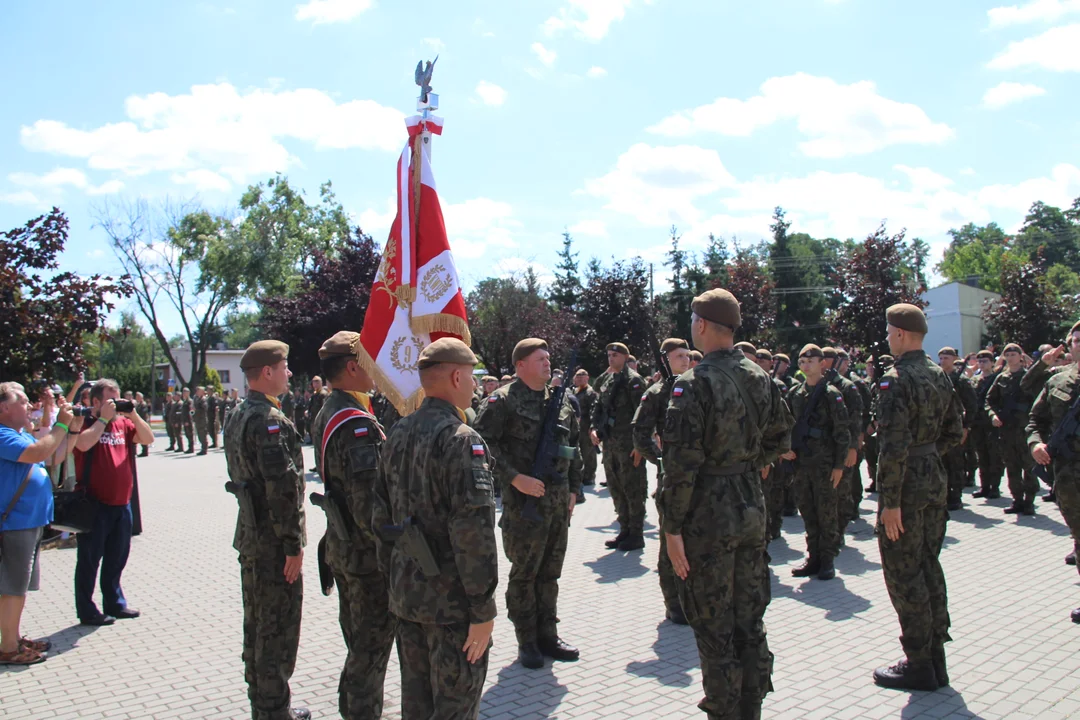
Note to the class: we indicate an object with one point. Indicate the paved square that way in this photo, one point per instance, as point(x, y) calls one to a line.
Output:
point(1014, 655)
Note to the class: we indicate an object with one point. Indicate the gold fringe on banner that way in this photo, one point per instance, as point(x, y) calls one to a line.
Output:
point(404, 405)
point(441, 322)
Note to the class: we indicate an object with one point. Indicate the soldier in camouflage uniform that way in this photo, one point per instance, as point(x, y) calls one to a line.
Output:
point(876, 369)
point(1035, 380)
point(352, 440)
point(955, 470)
point(198, 409)
point(919, 419)
point(142, 409)
point(846, 508)
point(176, 419)
point(266, 469)
point(984, 436)
point(384, 410)
point(648, 422)
point(780, 477)
point(1008, 406)
point(1054, 401)
point(287, 405)
point(213, 403)
point(586, 398)
point(819, 463)
point(435, 483)
point(843, 366)
point(512, 423)
point(618, 396)
point(166, 417)
point(725, 425)
point(187, 419)
point(318, 397)
point(229, 405)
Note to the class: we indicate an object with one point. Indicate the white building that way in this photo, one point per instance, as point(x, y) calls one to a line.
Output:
point(954, 314)
point(226, 362)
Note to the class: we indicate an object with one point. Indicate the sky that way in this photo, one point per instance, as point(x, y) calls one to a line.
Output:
point(613, 119)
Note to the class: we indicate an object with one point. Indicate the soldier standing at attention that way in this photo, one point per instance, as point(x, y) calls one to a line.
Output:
point(819, 456)
point(287, 406)
point(213, 403)
point(198, 409)
point(695, 358)
point(187, 419)
point(142, 409)
point(649, 421)
point(919, 419)
point(1008, 406)
point(846, 509)
point(619, 394)
point(955, 470)
point(1035, 380)
point(177, 420)
point(435, 484)
point(586, 397)
point(352, 440)
point(266, 469)
point(166, 417)
point(774, 484)
point(300, 404)
point(725, 425)
point(843, 366)
point(1054, 402)
point(512, 423)
point(318, 397)
point(983, 433)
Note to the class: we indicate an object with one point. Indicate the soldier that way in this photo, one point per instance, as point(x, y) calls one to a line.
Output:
point(512, 423)
point(846, 508)
point(725, 424)
point(877, 368)
point(198, 413)
point(843, 366)
point(300, 407)
point(352, 440)
point(820, 456)
point(174, 421)
point(618, 397)
point(166, 417)
point(318, 397)
point(954, 459)
point(287, 405)
point(1008, 406)
point(779, 477)
point(384, 410)
point(212, 404)
point(748, 350)
point(142, 409)
point(1034, 381)
point(230, 405)
point(984, 436)
point(266, 469)
point(648, 422)
point(919, 419)
point(187, 419)
point(695, 358)
point(435, 484)
point(489, 384)
point(1053, 403)
point(505, 380)
point(586, 398)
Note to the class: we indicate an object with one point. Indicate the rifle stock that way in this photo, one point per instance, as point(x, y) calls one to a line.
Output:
point(547, 450)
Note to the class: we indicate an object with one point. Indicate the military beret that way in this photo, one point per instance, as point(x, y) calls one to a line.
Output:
point(696, 355)
point(811, 350)
point(447, 350)
point(489, 378)
point(842, 353)
point(984, 355)
point(718, 306)
point(506, 378)
point(674, 344)
point(1012, 347)
point(582, 371)
point(763, 354)
point(829, 353)
point(782, 356)
point(907, 317)
point(263, 353)
point(948, 351)
point(341, 343)
point(886, 361)
point(618, 347)
point(527, 347)
point(631, 358)
point(746, 347)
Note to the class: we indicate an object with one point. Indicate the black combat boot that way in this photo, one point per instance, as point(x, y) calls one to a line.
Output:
point(1015, 508)
point(1028, 508)
point(557, 649)
point(1070, 559)
point(812, 566)
point(955, 505)
point(632, 542)
point(906, 675)
point(677, 616)
point(300, 713)
point(203, 451)
point(529, 656)
point(614, 542)
point(169, 449)
point(980, 493)
point(941, 673)
point(993, 494)
point(189, 451)
point(826, 571)
point(1076, 615)
point(581, 497)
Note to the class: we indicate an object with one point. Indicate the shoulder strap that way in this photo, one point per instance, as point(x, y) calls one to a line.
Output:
point(751, 408)
point(18, 494)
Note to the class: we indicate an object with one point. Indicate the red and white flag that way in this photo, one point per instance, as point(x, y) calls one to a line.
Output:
point(416, 297)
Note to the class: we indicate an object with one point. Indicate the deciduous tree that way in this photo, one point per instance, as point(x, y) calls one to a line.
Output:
point(1029, 312)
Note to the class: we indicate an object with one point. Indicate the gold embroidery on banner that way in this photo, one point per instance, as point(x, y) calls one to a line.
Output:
point(435, 283)
point(405, 353)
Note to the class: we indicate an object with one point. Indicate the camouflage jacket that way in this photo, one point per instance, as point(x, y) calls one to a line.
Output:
point(865, 397)
point(349, 469)
point(198, 410)
point(650, 418)
point(434, 469)
point(511, 420)
point(227, 406)
point(262, 449)
point(982, 385)
point(1037, 375)
point(187, 411)
point(966, 392)
point(1054, 401)
point(384, 410)
point(176, 414)
point(618, 396)
point(287, 405)
point(315, 405)
point(917, 406)
point(852, 405)
point(143, 410)
point(830, 426)
point(586, 397)
point(1008, 401)
point(709, 427)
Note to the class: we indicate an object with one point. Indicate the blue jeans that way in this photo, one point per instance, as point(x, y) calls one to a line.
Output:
point(107, 545)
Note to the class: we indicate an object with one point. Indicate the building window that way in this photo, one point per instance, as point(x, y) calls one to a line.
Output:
point(224, 375)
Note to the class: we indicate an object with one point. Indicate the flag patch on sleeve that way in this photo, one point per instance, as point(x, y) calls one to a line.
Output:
point(273, 429)
point(492, 399)
point(478, 450)
point(360, 432)
point(677, 392)
point(884, 385)
point(839, 399)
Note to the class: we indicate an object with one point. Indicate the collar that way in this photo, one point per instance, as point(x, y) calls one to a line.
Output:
point(363, 398)
point(261, 396)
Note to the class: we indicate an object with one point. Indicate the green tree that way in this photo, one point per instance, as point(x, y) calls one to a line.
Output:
point(241, 328)
point(213, 381)
point(747, 278)
point(1049, 237)
point(975, 255)
point(566, 290)
point(677, 301)
point(1029, 312)
point(799, 265)
point(615, 307)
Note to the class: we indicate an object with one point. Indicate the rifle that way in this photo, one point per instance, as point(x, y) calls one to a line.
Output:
point(412, 540)
point(1058, 445)
point(802, 429)
point(548, 452)
point(606, 415)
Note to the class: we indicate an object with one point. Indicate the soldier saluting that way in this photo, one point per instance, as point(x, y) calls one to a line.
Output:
point(266, 469)
point(1008, 405)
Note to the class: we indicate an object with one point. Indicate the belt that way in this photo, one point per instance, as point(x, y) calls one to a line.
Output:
point(721, 470)
point(923, 450)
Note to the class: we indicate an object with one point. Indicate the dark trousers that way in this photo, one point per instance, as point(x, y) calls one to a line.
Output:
point(106, 546)
point(437, 681)
point(272, 612)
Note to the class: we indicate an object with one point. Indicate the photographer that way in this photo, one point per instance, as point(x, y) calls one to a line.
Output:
point(104, 460)
point(26, 507)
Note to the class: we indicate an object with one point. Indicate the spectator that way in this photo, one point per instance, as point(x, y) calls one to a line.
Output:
point(24, 515)
point(105, 468)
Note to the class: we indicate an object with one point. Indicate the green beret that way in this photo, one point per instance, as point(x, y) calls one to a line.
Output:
point(948, 351)
point(829, 353)
point(746, 347)
point(782, 357)
point(696, 355)
point(1013, 347)
point(763, 354)
point(489, 378)
point(841, 353)
point(618, 347)
point(339, 344)
point(886, 361)
point(718, 306)
point(907, 317)
point(984, 355)
point(527, 347)
point(811, 350)
point(448, 350)
point(674, 344)
point(264, 353)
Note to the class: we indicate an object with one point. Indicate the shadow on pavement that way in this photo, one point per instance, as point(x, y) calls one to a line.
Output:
point(782, 553)
point(918, 705)
point(62, 641)
point(617, 565)
point(977, 521)
point(676, 655)
point(832, 596)
point(538, 691)
point(851, 561)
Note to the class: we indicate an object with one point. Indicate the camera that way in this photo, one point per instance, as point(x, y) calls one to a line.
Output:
point(124, 405)
point(84, 412)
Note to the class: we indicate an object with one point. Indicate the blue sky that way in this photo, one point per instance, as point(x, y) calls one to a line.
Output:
point(613, 118)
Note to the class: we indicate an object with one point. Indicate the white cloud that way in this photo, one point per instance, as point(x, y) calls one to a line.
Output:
point(596, 72)
point(217, 128)
point(95, 253)
point(55, 180)
point(1060, 188)
point(436, 45)
point(202, 179)
point(20, 197)
point(476, 225)
point(840, 120)
point(546, 56)
point(1007, 93)
point(490, 93)
point(1033, 11)
point(590, 18)
point(516, 267)
point(589, 228)
point(322, 12)
point(1055, 49)
point(377, 224)
point(924, 178)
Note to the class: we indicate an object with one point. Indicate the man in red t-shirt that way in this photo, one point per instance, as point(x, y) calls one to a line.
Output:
point(104, 466)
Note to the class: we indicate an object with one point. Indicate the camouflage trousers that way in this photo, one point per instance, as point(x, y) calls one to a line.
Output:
point(819, 506)
point(773, 489)
point(954, 473)
point(628, 485)
point(870, 450)
point(971, 462)
point(368, 628)
point(437, 681)
point(912, 570)
point(189, 431)
point(727, 592)
point(536, 551)
point(664, 568)
point(845, 503)
point(1067, 490)
point(856, 485)
point(171, 432)
point(1018, 462)
point(272, 612)
point(200, 432)
point(987, 446)
point(215, 430)
point(588, 460)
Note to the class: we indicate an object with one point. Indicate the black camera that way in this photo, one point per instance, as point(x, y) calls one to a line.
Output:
point(84, 412)
point(124, 405)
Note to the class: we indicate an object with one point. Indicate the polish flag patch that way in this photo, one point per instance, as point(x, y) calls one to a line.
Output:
point(884, 385)
point(273, 429)
point(677, 392)
point(839, 398)
point(478, 450)
point(360, 432)
point(492, 399)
